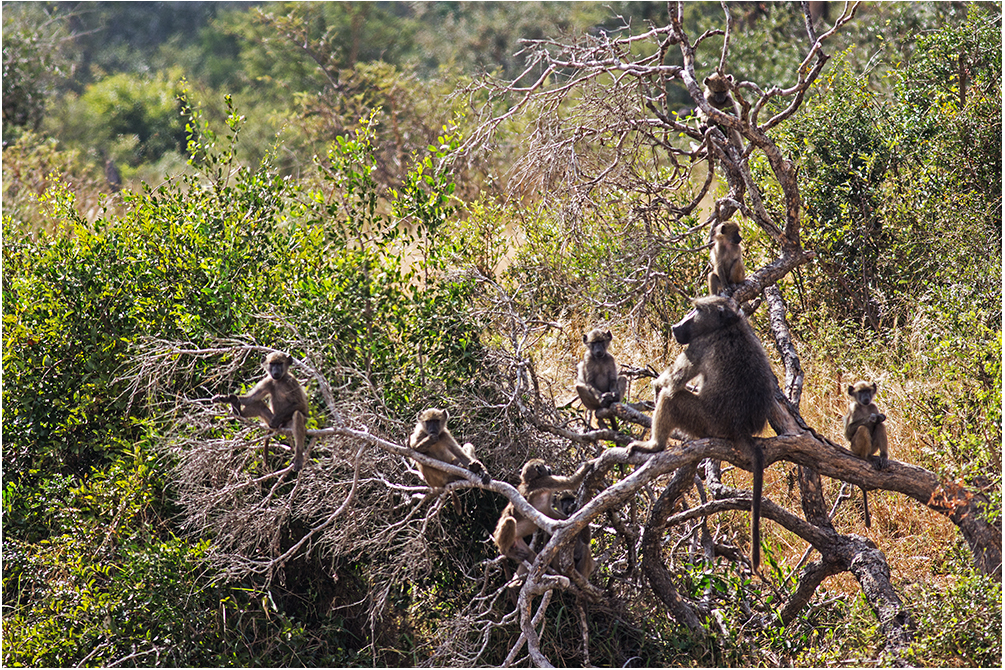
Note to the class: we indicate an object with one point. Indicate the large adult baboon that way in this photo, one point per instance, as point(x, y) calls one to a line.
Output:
point(597, 381)
point(734, 397)
point(287, 402)
point(864, 429)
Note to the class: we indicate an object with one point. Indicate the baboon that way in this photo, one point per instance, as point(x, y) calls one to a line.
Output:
point(726, 257)
point(734, 396)
point(597, 379)
point(582, 559)
point(287, 406)
point(431, 437)
point(864, 429)
point(717, 94)
point(537, 485)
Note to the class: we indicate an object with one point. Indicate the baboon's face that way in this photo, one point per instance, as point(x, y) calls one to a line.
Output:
point(432, 427)
point(433, 421)
point(863, 393)
point(534, 469)
point(566, 505)
point(731, 231)
point(277, 365)
point(718, 86)
point(597, 342)
point(709, 314)
point(598, 348)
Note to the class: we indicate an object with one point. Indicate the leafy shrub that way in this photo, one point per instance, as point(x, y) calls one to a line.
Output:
point(134, 118)
point(92, 572)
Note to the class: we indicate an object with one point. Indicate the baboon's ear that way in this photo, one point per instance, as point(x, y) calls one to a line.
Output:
point(608, 336)
point(446, 416)
point(730, 79)
point(584, 338)
point(705, 81)
point(851, 390)
point(727, 316)
point(874, 388)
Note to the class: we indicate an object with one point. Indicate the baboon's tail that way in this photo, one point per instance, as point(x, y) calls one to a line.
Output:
point(755, 505)
point(865, 509)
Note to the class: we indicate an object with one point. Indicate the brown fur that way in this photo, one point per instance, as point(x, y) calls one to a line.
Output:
point(537, 485)
point(431, 437)
point(597, 379)
point(287, 405)
point(717, 94)
point(726, 258)
point(734, 397)
point(582, 559)
point(864, 429)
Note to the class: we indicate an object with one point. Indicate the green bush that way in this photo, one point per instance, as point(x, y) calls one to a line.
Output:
point(133, 118)
point(92, 571)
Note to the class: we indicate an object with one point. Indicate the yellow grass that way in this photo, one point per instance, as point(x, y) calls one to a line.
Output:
point(913, 538)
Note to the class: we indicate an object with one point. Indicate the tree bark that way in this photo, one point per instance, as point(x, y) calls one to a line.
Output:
point(660, 579)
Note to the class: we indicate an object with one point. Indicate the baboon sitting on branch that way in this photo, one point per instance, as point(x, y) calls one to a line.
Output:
point(864, 429)
point(734, 397)
point(287, 402)
point(432, 438)
point(597, 381)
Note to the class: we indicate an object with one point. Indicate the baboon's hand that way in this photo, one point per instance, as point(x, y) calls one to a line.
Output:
point(477, 468)
point(608, 399)
point(880, 464)
point(232, 399)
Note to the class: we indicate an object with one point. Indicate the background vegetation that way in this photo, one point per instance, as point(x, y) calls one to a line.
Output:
point(280, 186)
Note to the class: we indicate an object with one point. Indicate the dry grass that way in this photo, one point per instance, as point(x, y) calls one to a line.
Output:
point(914, 538)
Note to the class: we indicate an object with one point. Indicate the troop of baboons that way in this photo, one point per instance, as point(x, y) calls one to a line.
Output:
point(721, 386)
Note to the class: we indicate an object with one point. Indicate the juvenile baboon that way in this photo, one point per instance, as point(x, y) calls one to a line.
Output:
point(431, 437)
point(726, 257)
point(734, 396)
point(597, 379)
point(287, 407)
point(582, 559)
point(537, 485)
point(864, 429)
point(717, 94)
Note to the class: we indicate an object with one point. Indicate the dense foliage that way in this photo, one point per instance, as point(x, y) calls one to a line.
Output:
point(305, 193)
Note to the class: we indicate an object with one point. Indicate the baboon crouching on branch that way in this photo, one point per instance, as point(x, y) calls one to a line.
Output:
point(432, 438)
point(864, 429)
point(537, 485)
point(597, 381)
point(734, 397)
point(287, 405)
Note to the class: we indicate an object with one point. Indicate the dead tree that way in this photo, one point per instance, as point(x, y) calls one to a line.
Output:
point(613, 137)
